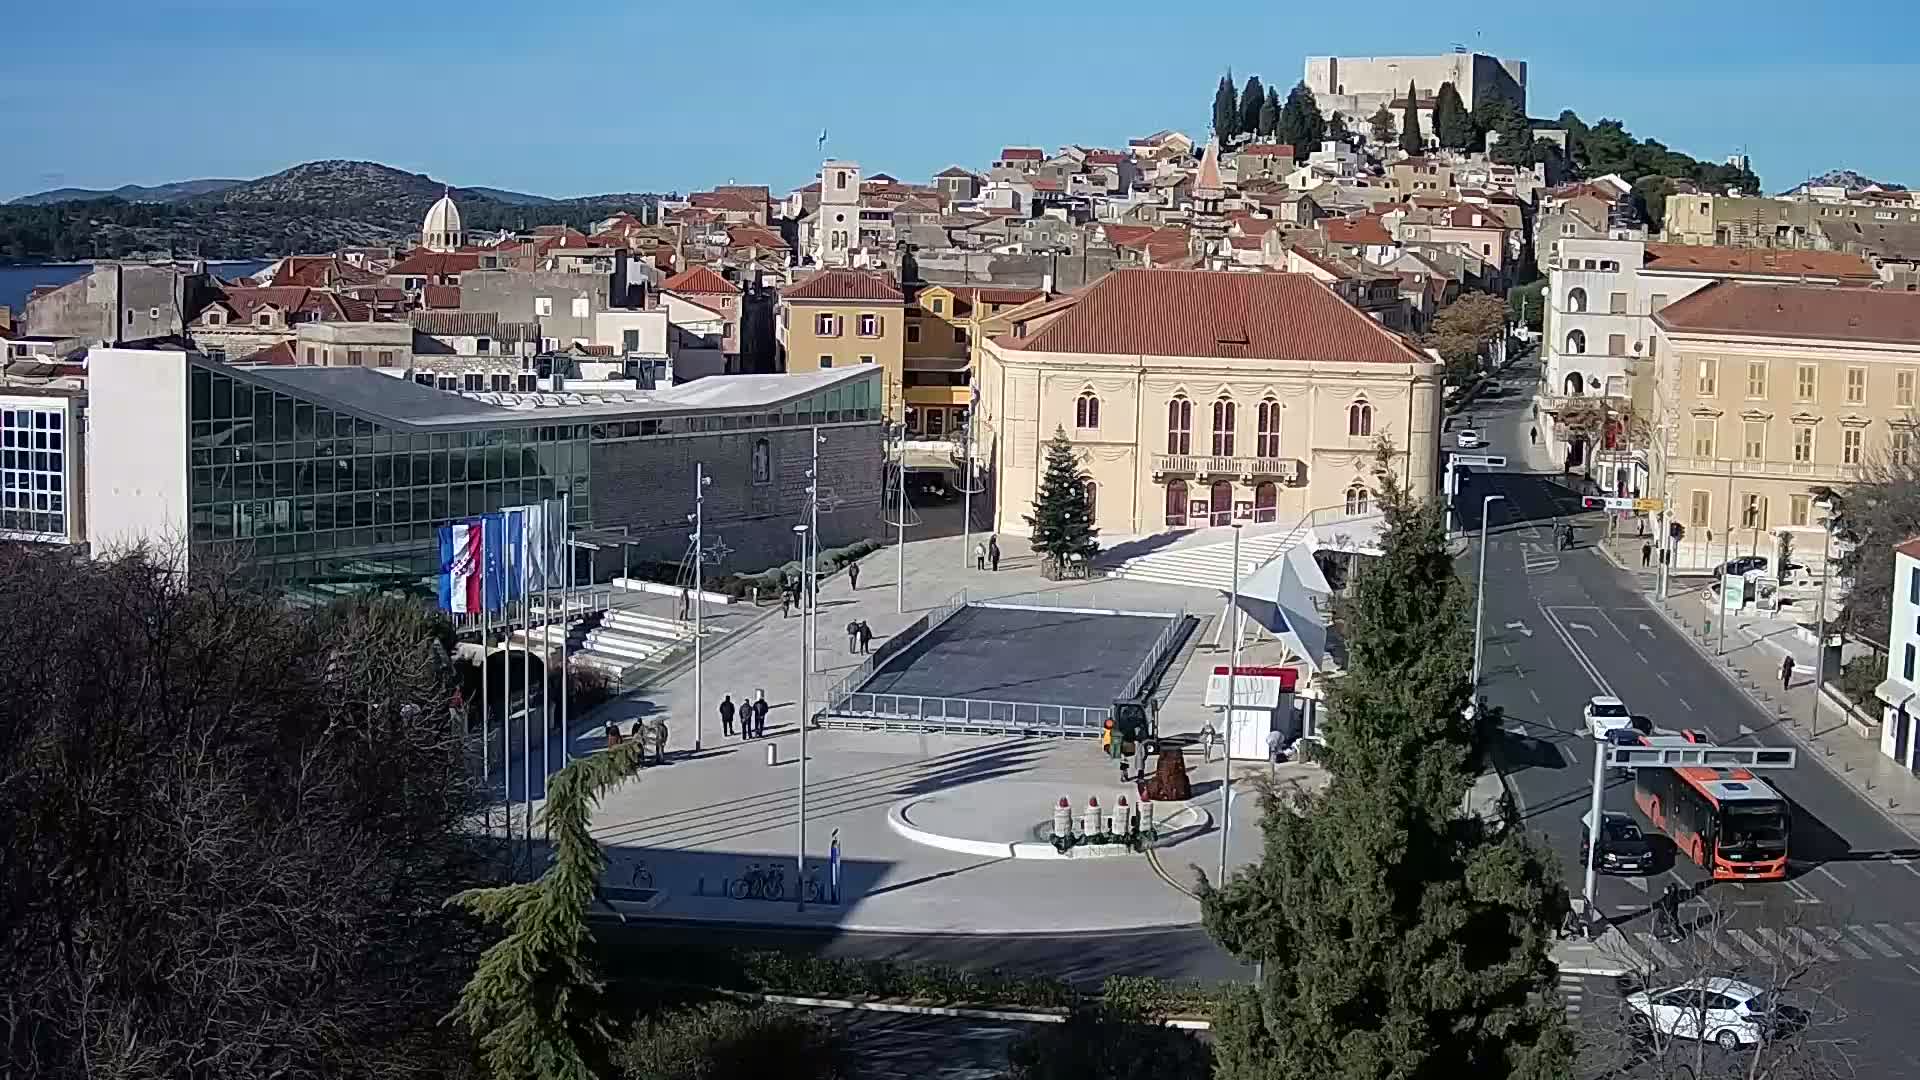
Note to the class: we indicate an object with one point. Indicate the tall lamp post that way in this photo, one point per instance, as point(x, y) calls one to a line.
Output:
point(1832, 507)
point(1480, 597)
point(700, 482)
point(1233, 681)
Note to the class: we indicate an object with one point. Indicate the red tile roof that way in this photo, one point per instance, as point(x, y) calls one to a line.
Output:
point(320, 271)
point(245, 302)
point(1909, 548)
point(1773, 261)
point(444, 297)
point(278, 354)
point(1128, 236)
point(727, 200)
point(1041, 184)
point(698, 281)
point(1106, 157)
point(1022, 153)
point(435, 264)
point(739, 236)
point(845, 285)
point(1284, 150)
point(1214, 314)
point(1361, 230)
point(1819, 312)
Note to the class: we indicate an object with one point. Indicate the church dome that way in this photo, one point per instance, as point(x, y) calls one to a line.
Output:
point(441, 231)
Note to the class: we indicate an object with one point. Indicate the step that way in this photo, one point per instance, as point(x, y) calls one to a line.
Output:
point(616, 645)
point(634, 622)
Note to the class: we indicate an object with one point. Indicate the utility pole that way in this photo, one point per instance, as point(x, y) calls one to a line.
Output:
point(700, 482)
point(1233, 682)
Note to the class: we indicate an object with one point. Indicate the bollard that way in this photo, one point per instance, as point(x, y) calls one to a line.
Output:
point(1062, 819)
point(1146, 816)
point(773, 753)
point(1090, 821)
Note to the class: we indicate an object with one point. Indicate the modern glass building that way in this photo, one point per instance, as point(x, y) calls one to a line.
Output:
point(336, 479)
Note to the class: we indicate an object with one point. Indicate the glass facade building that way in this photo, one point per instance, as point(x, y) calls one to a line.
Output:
point(34, 470)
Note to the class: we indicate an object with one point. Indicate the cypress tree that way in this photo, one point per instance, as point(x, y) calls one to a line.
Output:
point(534, 999)
point(1400, 936)
point(1410, 138)
point(1062, 518)
point(1251, 101)
point(1452, 125)
point(1301, 124)
point(1270, 113)
point(1226, 109)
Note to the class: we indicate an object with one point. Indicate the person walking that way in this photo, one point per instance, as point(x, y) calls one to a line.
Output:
point(1786, 673)
point(726, 715)
point(1533, 435)
point(853, 576)
point(993, 552)
point(1646, 553)
point(853, 637)
point(660, 742)
point(866, 638)
point(1670, 912)
point(759, 714)
point(979, 556)
point(786, 597)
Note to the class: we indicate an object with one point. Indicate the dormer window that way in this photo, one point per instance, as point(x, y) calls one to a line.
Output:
point(214, 318)
point(264, 319)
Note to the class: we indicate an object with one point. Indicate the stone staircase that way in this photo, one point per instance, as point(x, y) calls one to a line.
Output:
point(618, 640)
point(1207, 565)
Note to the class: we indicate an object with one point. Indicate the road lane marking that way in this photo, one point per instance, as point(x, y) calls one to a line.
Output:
point(1660, 953)
point(1683, 703)
point(1907, 865)
point(1725, 952)
point(1801, 894)
point(1582, 626)
point(1747, 943)
point(1662, 678)
point(1879, 946)
point(1579, 656)
point(1641, 655)
point(1912, 928)
point(1887, 931)
point(1522, 627)
point(1638, 883)
point(1814, 946)
point(1533, 695)
point(1780, 945)
point(1824, 872)
point(1507, 651)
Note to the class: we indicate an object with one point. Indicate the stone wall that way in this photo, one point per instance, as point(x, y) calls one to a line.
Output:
point(646, 485)
point(957, 267)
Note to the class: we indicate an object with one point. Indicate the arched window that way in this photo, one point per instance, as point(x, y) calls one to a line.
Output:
point(1180, 428)
point(1575, 384)
point(1358, 501)
point(1577, 342)
point(1266, 501)
point(1223, 411)
point(1176, 503)
point(1577, 300)
point(1359, 419)
point(1267, 441)
point(1086, 411)
point(1093, 501)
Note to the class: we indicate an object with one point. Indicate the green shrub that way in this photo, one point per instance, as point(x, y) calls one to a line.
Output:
point(587, 686)
point(1109, 1044)
point(1858, 677)
point(727, 1041)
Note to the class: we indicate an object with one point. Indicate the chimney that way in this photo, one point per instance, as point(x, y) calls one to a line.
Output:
point(1046, 284)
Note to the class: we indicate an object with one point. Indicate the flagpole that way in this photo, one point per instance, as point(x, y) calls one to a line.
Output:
point(546, 672)
point(506, 707)
point(486, 737)
point(566, 623)
point(526, 710)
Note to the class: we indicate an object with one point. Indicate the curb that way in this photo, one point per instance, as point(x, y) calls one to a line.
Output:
point(986, 849)
point(847, 1004)
point(1598, 973)
point(829, 929)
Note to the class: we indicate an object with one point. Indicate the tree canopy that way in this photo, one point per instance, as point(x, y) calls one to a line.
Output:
point(1382, 127)
point(1301, 125)
point(1270, 113)
point(1399, 936)
point(1226, 110)
point(1880, 510)
point(1411, 140)
point(1452, 125)
point(1062, 518)
point(1608, 147)
point(1252, 99)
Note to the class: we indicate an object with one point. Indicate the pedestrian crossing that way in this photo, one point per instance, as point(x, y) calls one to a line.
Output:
point(1573, 992)
point(1735, 945)
point(1539, 559)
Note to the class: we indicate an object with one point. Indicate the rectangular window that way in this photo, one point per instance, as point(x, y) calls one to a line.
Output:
point(1803, 443)
point(1756, 440)
point(356, 358)
point(939, 306)
point(869, 326)
point(1806, 384)
point(1756, 378)
point(1616, 344)
point(1900, 447)
point(959, 335)
point(1700, 509)
point(1617, 303)
point(582, 307)
point(823, 325)
point(1703, 437)
point(1708, 380)
point(1913, 586)
point(1799, 507)
point(826, 361)
point(913, 334)
point(629, 341)
point(1850, 443)
point(866, 359)
point(543, 305)
point(1903, 388)
point(1906, 664)
point(1856, 385)
point(1659, 301)
point(1753, 511)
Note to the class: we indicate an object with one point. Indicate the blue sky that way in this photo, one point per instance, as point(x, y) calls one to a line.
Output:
point(569, 98)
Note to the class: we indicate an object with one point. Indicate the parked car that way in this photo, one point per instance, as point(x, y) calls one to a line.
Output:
point(1605, 715)
point(1624, 849)
point(1728, 1012)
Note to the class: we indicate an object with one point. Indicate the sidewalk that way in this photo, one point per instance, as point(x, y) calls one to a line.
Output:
point(1754, 649)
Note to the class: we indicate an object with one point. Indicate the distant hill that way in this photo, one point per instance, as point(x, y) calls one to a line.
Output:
point(316, 206)
point(161, 193)
point(1845, 178)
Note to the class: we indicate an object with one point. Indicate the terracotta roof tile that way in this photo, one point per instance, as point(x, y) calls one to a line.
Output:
point(1785, 263)
point(754, 236)
point(1909, 548)
point(1281, 150)
point(446, 297)
point(278, 354)
point(1819, 312)
point(1360, 230)
point(1023, 153)
point(697, 281)
point(1214, 314)
point(845, 285)
point(1128, 235)
point(456, 323)
point(1106, 157)
point(435, 264)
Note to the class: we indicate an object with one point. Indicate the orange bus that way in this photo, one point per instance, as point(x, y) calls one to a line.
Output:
point(1728, 821)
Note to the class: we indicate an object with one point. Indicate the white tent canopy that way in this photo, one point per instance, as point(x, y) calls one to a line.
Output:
point(1282, 596)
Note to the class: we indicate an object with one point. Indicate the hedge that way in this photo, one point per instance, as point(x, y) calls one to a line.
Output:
point(766, 581)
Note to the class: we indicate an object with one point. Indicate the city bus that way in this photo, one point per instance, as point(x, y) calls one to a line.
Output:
point(1727, 821)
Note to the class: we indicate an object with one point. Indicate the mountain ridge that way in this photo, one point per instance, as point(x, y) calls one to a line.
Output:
point(176, 191)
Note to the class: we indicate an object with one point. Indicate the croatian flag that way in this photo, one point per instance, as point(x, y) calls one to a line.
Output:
point(462, 569)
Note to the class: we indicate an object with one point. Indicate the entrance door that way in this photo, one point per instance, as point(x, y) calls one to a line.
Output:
point(1902, 728)
point(1176, 504)
point(1221, 510)
point(1266, 501)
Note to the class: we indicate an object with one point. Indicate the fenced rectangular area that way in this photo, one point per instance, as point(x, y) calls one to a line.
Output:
point(1010, 668)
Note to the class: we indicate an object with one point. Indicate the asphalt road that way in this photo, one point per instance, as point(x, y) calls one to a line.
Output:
point(1562, 626)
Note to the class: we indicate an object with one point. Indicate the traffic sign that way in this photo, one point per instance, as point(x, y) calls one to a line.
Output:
point(1649, 506)
point(1492, 461)
point(1596, 502)
point(1700, 756)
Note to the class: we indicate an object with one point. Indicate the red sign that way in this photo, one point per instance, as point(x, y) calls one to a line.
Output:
point(1288, 677)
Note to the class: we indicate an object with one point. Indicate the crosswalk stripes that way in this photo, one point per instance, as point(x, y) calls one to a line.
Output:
point(1903, 941)
point(1818, 949)
point(1722, 949)
point(1826, 944)
point(1779, 944)
point(1659, 951)
point(1745, 941)
point(1573, 992)
point(1878, 946)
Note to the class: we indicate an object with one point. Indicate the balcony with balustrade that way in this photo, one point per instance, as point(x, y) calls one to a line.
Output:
point(1248, 470)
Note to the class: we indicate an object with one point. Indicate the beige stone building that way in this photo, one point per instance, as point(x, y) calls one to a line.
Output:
point(1763, 393)
point(1197, 398)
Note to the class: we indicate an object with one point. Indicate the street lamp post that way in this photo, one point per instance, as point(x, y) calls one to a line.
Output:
point(1820, 648)
point(700, 482)
point(1593, 823)
point(1480, 596)
point(804, 532)
point(1233, 679)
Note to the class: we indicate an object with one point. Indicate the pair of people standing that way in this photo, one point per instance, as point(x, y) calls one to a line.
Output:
point(752, 714)
point(987, 555)
point(859, 637)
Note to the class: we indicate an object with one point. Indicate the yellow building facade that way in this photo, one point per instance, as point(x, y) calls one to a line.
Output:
point(842, 318)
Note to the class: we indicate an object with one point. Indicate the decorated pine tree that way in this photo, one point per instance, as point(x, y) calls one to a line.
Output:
point(534, 1001)
point(1062, 518)
point(1398, 935)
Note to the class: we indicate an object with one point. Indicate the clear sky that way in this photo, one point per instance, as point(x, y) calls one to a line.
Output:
point(572, 97)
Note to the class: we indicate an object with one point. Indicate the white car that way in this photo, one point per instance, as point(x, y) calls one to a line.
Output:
point(1724, 1011)
point(1468, 439)
point(1606, 715)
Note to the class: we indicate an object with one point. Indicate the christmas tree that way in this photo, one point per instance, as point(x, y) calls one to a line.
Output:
point(1062, 518)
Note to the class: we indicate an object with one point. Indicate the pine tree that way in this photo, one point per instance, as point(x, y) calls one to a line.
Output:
point(1270, 113)
point(1251, 100)
point(1398, 935)
point(1062, 518)
point(1452, 124)
point(1337, 127)
point(1381, 122)
point(1300, 125)
point(533, 1002)
point(1226, 109)
point(1410, 138)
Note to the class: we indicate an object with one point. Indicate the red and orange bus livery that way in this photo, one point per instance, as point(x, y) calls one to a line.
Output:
point(1731, 823)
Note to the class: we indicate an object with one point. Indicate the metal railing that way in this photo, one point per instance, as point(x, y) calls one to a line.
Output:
point(1161, 646)
point(525, 614)
point(915, 712)
point(1208, 465)
point(889, 649)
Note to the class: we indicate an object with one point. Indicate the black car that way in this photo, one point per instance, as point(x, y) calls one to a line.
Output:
point(1624, 849)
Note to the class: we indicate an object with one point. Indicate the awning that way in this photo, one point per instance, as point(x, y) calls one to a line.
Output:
point(1895, 692)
